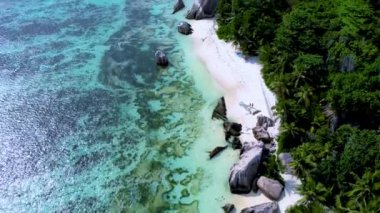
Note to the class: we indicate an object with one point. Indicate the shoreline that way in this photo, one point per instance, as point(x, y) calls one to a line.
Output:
point(244, 90)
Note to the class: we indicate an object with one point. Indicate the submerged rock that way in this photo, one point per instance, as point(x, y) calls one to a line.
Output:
point(244, 171)
point(161, 58)
point(202, 9)
point(178, 6)
point(228, 208)
point(217, 150)
point(270, 188)
point(271, 207)
point(220, 111)
point(184, 28)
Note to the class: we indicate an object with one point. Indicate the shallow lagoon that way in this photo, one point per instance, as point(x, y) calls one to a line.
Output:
point(89, 123)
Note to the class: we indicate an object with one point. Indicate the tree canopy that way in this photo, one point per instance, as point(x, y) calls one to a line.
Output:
point(322, 60)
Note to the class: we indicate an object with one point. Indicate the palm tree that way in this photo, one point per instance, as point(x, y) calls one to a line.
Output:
point(291, 129)
point(280, 88)
point(313, 191)
point(365, 190)
point(304, 95)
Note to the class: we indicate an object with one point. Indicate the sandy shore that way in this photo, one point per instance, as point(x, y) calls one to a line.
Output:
point(244, 92)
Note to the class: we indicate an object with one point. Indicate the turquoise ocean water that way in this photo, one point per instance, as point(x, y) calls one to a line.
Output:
point(88, 123)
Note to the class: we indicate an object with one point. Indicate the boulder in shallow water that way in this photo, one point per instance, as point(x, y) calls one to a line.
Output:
point(270, 188)
point(202, 9)
point(216, 151)
point(231, 129)
point(178, 6)
point(220, 111)
point(271, 207)
point(228, 208)
point(161, 58)
point(236, 143)
point(244, 171)
point(184, 28)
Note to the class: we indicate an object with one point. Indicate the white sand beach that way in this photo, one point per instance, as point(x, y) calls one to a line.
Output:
point(245, 92)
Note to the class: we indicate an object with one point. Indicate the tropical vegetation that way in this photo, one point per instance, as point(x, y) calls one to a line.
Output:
point(322, 60)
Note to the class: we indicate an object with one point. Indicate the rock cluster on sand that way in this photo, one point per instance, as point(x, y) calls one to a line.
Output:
point(244, 175)
point(271, 207)
point(202, 9)
point(260, 131)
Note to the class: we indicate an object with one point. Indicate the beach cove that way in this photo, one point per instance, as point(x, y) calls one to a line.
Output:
point(89, 123)
point(242, 84)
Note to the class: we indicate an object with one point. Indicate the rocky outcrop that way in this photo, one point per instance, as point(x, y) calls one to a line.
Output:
point(161, 58)
point(264, 122)
point(232, 129)
point(271, 207)
point(286, 159)
point(236, 143)
point(184, 28)
point(228, 208)
point(220, 111)
point(202, 9)
point(262, 134)
point(270, 188)
point(271, 147)
point(178, 6)
point(244, 171)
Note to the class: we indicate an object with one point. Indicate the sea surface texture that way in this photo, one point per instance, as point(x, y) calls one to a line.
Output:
point(89, 123)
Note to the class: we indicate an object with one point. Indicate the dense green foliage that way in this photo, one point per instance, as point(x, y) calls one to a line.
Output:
point(322, 60)
point(270, 168)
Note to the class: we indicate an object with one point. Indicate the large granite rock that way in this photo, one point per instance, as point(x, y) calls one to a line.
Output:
point(202, 9)
point(184, 28)
point(244, 171)
point(270, 188)
point(220, 111)
point(286, 159)
point(161, 58)
point(271, 207)
point(255, 188)
point(229, 208)
point(178, 6)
